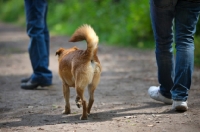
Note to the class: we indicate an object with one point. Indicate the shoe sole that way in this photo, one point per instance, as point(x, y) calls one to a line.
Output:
point(26, 88)
point(181, 108)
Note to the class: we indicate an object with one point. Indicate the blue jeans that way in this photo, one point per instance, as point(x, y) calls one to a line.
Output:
point(36, 13)
point(174, 73)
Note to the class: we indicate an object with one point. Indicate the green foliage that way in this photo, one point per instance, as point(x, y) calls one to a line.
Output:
point(117, 22)
point(12, 10)
point(196, 51)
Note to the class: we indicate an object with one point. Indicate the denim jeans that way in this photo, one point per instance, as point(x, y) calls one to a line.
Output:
point(36, 13)
point(174, 20)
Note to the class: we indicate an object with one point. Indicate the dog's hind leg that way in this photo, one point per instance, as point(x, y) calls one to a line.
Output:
point(80, 93)
point(91, 89)
point(66, 93)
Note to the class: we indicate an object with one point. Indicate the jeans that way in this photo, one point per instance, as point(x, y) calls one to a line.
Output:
point(36, 13)
point(174, 21)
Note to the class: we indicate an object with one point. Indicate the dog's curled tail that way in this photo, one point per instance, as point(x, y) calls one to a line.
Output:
point(86, 32)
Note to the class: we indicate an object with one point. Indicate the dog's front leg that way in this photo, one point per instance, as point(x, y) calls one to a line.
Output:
point(66, 93)
point(78, 101)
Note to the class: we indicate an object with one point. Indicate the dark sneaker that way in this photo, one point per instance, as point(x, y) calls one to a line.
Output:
point(24, 80)
point(32, 85)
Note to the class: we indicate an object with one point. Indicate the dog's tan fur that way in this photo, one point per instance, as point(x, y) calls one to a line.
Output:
point(80, 68)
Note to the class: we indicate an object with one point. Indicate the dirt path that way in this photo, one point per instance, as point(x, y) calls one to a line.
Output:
point(121, 100)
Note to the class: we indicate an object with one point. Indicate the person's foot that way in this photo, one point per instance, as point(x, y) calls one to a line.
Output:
point(24, 80)
point(180, 106)
point(154, 93)
point(32, 85)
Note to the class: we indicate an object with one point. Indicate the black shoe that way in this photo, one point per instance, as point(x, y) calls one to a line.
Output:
point(24, 80)
point(32, 85)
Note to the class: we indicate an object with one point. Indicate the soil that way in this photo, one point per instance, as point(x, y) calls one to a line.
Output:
point(121, 100)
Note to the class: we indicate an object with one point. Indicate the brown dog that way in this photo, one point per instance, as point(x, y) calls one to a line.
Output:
point(80, 68)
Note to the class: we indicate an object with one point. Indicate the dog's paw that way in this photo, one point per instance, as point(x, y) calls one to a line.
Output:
point(78, 104)
point(83, 118)
point(66, 112)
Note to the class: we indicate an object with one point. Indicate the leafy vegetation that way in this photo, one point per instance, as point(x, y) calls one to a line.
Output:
point(117, 22)
point(197, 51)
point(12, 11)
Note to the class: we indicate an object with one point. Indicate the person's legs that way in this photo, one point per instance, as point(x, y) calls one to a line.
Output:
point(36, 11)
point(162, 15)
point(186, 18)
point(46, 33)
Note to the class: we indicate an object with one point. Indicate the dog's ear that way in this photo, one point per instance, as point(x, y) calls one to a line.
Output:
point(58, 52)
point(75, 48)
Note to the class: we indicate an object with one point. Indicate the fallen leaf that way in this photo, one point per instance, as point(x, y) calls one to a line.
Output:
point(40, 129)
point(128, 117)
point(30, 107)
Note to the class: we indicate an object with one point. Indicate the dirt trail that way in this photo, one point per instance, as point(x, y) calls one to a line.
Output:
point(121, 100)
